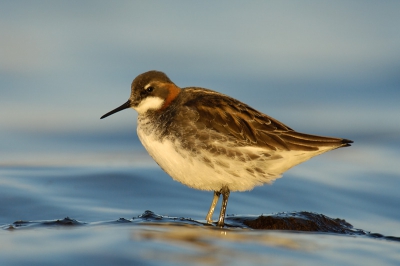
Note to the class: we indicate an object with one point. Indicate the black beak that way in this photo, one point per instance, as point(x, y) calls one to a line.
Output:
point(122, 107)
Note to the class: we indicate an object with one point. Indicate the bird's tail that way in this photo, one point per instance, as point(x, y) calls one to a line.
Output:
point(307, 142)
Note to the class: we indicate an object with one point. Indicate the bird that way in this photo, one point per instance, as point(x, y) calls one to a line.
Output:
point(210, 141)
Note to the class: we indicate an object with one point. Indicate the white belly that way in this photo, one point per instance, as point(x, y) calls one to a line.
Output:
point(206, 171)
point(191, 170)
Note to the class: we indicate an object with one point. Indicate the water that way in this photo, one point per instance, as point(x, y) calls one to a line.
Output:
point(75, 189)
point(94, 215)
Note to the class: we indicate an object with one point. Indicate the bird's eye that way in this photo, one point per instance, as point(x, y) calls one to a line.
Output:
point(149, 89)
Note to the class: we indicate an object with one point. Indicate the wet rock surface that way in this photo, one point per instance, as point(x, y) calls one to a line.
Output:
point(287, 221)
point(300, 221)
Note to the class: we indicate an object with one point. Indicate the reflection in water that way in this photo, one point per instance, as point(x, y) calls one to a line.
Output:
point(198, 237)
point(210, 245)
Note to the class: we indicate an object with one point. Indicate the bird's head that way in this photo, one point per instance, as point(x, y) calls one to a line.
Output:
point(150, 91)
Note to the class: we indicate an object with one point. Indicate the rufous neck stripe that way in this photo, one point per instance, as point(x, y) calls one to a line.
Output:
point(173, 93)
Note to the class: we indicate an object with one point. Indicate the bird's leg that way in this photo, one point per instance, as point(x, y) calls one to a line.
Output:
point(225, 195)
point(212, 207)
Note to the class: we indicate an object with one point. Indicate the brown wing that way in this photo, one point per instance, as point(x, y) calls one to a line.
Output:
point(249, 127)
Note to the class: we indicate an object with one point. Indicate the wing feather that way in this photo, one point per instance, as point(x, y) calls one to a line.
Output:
point(245, 126)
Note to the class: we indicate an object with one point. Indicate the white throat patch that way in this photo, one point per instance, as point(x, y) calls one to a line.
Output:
point(149, 103)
